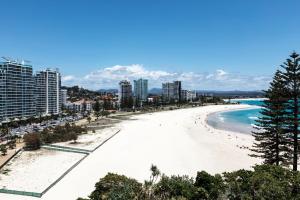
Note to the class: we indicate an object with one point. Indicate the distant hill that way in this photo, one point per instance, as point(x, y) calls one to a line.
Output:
point(232, 94)
point(155, 91)
point(76, 93)
point(114, 91)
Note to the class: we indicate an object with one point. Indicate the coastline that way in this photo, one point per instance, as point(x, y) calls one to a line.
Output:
point(213, 120)
point(248, 99)
point(178, 142)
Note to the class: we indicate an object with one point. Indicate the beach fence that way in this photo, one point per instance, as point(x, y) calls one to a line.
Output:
point(23, 193)
point(57, 148)
point(102, 143)
point(65, 149)
point(63, 175)
point(11, 157)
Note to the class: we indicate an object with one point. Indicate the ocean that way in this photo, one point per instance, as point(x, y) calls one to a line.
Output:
point(238, 120)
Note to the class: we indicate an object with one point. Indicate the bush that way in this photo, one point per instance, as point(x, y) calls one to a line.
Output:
point(175, 187)
point(32, 141)
point(62, 133)
point(3, 149)
point(114, 186)
point(265, 182)
point(12, 144)
point(213, 185)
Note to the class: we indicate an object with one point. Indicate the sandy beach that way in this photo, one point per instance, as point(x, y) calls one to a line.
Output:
point(177, 142)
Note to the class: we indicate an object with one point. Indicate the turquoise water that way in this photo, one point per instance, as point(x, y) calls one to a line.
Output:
point(237, 120)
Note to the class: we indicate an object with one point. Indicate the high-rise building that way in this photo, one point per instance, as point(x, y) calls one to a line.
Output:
point(48, 96)
point(16, 91)
point(188, 95)
point(64, 96)
point(171, 91)
point(125, 93)
point(141, 90)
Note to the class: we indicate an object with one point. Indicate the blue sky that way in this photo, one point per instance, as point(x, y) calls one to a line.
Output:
point(224, 45)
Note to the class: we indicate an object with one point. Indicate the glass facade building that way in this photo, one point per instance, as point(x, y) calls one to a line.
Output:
point(141, 90)
point(17, 95)
point(171, 91)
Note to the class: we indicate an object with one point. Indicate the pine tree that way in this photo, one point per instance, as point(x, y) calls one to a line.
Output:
point(97, 109)
point(291, 75)
point(270, 138)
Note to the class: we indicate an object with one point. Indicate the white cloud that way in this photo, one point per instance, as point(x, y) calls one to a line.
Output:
point(218, 80)
point(68, 78)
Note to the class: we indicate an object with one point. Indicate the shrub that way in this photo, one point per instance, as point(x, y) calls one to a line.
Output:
point(12, 144)
point(265, 182)
point(3, 149)
point(175, 187)
point(32, 141)
point(114, 186)
point(213, 185)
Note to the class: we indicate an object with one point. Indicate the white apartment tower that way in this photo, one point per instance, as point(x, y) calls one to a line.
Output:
point(48, 94)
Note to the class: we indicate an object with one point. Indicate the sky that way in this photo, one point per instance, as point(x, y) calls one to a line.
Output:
point(208, 44)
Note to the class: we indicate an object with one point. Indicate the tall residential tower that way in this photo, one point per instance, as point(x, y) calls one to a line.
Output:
point(171, 91)
point(141, 90)
point(16, 91)
point(48, 95)
point(125, 94)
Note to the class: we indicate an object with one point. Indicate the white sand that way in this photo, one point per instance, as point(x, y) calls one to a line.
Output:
point(178, 142)
point(34, 171)
point(91, 140)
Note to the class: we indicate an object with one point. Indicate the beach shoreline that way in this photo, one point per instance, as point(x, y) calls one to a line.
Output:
point(178, 142)
point(248, 99)
point(213, 120)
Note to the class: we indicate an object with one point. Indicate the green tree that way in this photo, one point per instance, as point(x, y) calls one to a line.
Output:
point(175, 187)
point(5, 131)
point(32, 141)
point(291, 76)
point(117, 187)
point(3, 149)
point(269, 182)
point(73, 136)
point(97, 109)
point(213, 186)
point(270, 138)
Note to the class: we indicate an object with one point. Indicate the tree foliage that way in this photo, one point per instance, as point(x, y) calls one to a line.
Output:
point(271, 143)
point(62, 133)
point(32, 141)
point(97, 109)
point(118, 187)
point(268, 182)
point(3, 149)
point(278, 128)
point(291, 76)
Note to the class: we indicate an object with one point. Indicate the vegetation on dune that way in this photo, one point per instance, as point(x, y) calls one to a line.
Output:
point(32, 141)
point(3, 149)
point(62, 133)
point(264, 182)
point(58, 134)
